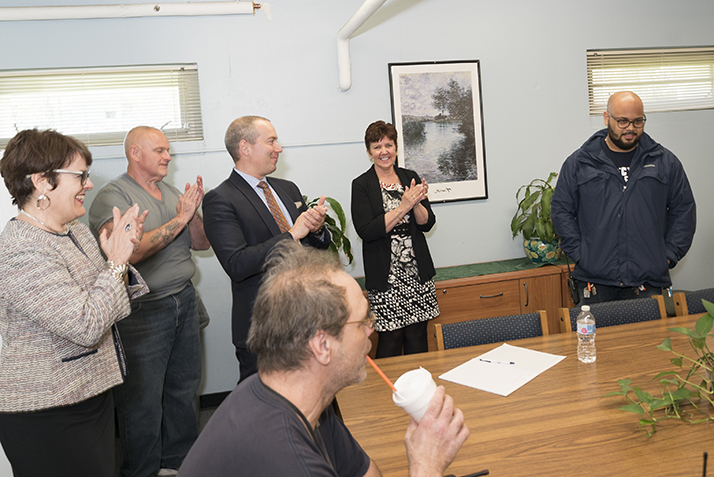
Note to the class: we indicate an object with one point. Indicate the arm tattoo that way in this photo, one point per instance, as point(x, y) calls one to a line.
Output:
point(165, 235)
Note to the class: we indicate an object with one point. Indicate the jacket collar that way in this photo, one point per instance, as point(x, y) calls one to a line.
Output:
point(646, 147)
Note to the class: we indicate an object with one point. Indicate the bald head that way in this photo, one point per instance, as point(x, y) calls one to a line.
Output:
point(625, 99)
point(147, 151)
point(624, 108)
point(136, 135)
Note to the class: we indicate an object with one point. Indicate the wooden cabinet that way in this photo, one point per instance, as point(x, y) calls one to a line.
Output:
point(500, 294)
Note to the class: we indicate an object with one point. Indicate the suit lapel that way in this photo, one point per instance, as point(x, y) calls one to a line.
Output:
point(252, 196)
point(286, 199)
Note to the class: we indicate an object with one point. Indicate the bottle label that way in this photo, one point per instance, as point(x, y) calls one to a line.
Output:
point(584, 329)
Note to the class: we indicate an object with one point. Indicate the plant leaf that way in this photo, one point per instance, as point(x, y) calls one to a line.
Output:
point(698, 342)
point(704, 324)
point(681, 394)
point(528, 202)
point(643, 396)
point(515, 223)
point(545, 202)
point(337, 208)
point(682, 330)
point(666, 345)
point(615, 393)
point(528, 226)
point(550, 177)
point(665, 373)
point(709, 306)
point(657, 404)
point(636, 408)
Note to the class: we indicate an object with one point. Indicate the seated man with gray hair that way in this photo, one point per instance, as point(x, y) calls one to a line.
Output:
point(310, 331)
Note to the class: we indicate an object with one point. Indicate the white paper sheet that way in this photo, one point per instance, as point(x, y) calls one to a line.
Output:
point(499, 376)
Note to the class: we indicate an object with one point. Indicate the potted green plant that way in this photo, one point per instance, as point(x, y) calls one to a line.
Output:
point(687, 392)
point(532, 220)
point(340, 242)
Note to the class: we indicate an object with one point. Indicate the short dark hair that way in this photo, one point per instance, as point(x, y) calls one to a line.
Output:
point(296, 299)
point(377, 130)
point(241, 128)
point(32, 151)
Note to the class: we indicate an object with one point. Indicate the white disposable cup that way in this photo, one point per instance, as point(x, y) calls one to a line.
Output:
point(414, 392)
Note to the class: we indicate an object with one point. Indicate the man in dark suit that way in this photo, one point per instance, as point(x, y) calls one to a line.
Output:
point(247, 214)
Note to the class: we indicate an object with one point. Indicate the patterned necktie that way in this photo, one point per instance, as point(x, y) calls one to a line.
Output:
point(274, 207)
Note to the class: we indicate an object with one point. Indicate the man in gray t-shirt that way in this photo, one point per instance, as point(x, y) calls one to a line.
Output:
point(155, 405)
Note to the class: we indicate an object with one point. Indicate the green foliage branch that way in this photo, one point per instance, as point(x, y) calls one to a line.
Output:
point(532, 218)
point(337, 230)
point(687, 393)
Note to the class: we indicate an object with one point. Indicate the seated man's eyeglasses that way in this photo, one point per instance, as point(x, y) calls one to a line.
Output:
point(624, 123)
point(369, 322)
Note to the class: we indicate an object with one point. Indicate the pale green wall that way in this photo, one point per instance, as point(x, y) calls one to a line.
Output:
point(534, 103)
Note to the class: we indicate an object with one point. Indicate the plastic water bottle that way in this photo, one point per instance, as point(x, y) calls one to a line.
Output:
point(586, 335)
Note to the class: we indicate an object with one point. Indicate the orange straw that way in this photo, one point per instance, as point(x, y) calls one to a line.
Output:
point(379, 371)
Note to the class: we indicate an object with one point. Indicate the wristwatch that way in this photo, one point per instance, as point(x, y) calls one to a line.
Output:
point(117, 271)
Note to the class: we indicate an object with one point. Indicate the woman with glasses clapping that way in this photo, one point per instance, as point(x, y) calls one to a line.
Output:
point(59, 300)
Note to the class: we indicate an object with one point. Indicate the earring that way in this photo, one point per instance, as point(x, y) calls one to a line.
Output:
point(43, 200)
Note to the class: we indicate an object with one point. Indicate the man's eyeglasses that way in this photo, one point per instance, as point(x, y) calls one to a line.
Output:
point(624, 123)
point(83, 175)
point(369, 322)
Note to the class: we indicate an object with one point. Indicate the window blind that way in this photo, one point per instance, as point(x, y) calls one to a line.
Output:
point(666, 79)
point(99, 106)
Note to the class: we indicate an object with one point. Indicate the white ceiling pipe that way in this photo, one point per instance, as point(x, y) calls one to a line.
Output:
point(126, 11)
point(343, 40)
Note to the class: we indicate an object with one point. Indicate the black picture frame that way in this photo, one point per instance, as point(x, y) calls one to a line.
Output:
point(438, 112)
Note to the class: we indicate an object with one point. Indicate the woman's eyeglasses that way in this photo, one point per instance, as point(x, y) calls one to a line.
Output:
point(83, 175)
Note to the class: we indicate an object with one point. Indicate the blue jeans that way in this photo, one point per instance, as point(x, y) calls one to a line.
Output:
point(156, 408)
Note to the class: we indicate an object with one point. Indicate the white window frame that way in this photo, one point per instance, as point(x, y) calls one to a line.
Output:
point(100, 105)
point(666, 79)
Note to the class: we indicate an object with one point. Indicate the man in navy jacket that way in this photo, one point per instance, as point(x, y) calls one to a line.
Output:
point(623, 208)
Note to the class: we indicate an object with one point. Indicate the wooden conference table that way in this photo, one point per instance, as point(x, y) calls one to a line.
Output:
point(555, 425)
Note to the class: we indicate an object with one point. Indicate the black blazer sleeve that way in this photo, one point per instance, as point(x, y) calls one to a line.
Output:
point(368, 218)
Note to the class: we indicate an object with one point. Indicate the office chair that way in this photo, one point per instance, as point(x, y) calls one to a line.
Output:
point(491, 330)
point(619, 312)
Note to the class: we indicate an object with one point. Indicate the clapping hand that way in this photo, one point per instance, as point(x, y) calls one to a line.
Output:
point(310, 221)
point(190, 200)
point(414, 193)
point(122, 241)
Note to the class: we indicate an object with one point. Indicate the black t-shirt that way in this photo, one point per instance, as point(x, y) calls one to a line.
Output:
point(622, 160)
point(255, 432)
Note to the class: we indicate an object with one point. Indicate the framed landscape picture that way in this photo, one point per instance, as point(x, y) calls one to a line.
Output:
point(437, 110)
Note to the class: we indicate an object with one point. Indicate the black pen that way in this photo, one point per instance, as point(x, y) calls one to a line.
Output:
point(477, 474)
point(493, 362)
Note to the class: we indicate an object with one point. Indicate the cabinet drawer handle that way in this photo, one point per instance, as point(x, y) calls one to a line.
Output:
point(527, 294)
point(491, 296)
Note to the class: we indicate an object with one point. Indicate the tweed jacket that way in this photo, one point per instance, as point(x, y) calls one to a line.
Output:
point(58, 306)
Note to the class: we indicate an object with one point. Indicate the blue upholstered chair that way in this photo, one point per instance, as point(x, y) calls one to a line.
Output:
point(619, 312)
point(490, 330)
point(690, 303)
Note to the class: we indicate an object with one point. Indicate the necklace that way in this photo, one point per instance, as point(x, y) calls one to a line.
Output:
point(22, 211)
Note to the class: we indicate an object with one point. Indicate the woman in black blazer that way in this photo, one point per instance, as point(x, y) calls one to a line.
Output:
point(391, 212)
